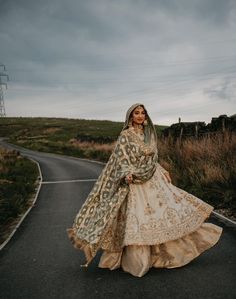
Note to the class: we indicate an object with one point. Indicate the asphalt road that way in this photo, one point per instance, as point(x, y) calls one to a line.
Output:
point(40, 262)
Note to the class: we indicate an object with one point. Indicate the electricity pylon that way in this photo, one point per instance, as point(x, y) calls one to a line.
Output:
point(2, 106)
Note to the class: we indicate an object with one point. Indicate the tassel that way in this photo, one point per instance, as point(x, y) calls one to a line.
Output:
point(85, 265)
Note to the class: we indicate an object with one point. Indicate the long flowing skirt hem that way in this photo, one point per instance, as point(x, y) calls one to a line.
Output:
point(138, 259)
point(81, 245)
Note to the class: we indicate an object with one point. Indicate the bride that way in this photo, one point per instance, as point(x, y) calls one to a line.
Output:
point(135, 214)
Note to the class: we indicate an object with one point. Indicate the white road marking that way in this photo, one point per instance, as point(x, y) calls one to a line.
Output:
point(68, 181)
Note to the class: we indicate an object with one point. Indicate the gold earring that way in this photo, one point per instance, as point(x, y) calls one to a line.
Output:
point(145, 122)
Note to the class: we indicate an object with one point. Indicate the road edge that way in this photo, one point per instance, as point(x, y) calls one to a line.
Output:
point(27, 211)
point(224, 218)
point(216, 215)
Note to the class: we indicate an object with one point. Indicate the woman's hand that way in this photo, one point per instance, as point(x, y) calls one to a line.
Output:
point(167, 175)
point(129, 178)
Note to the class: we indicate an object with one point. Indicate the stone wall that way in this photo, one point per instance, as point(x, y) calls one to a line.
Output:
point(197, 128)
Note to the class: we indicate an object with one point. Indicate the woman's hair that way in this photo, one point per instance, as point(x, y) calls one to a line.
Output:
point(150, 135)
point(131, 114)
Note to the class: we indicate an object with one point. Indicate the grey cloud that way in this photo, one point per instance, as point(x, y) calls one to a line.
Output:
point(118, 51)
point(224, 91)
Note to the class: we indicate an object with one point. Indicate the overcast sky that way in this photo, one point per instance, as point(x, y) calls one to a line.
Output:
point(93, 59)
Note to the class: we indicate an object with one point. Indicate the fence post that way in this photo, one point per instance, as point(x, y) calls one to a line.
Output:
point(196, 130)
point(223, 124)
point(181, 134)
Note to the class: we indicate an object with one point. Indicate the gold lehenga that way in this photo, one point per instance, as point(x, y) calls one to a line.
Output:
point(162, 229)
point(149, 223)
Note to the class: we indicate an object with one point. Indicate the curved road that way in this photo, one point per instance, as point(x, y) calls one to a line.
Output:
point(40, 262)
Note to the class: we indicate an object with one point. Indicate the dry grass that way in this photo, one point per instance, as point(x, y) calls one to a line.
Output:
point(93, 146)
point(51, 130)
point(205, 166)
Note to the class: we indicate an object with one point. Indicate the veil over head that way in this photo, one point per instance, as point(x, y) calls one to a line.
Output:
point(100, 224)
point(150, 136)
point(94, 223)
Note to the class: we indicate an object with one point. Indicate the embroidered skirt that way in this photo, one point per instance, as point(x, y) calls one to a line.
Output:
point(164, 228)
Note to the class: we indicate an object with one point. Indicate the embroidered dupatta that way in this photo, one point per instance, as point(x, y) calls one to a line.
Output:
point(90, 230)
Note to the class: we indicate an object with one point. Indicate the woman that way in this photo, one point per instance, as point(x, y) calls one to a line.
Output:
point(135, 214)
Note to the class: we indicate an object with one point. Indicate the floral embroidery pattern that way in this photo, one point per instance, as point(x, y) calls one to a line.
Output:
point(178, 213)
point(101, 219)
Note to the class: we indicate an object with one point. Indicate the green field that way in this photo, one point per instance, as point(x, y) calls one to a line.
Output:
point(59, 135)
point(67, 128)
point(18, 177)
point(205, 167)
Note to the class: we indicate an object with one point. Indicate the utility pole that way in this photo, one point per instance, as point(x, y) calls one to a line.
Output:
point(2, 106)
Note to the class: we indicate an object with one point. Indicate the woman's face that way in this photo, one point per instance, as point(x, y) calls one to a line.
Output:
point(138, 115)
